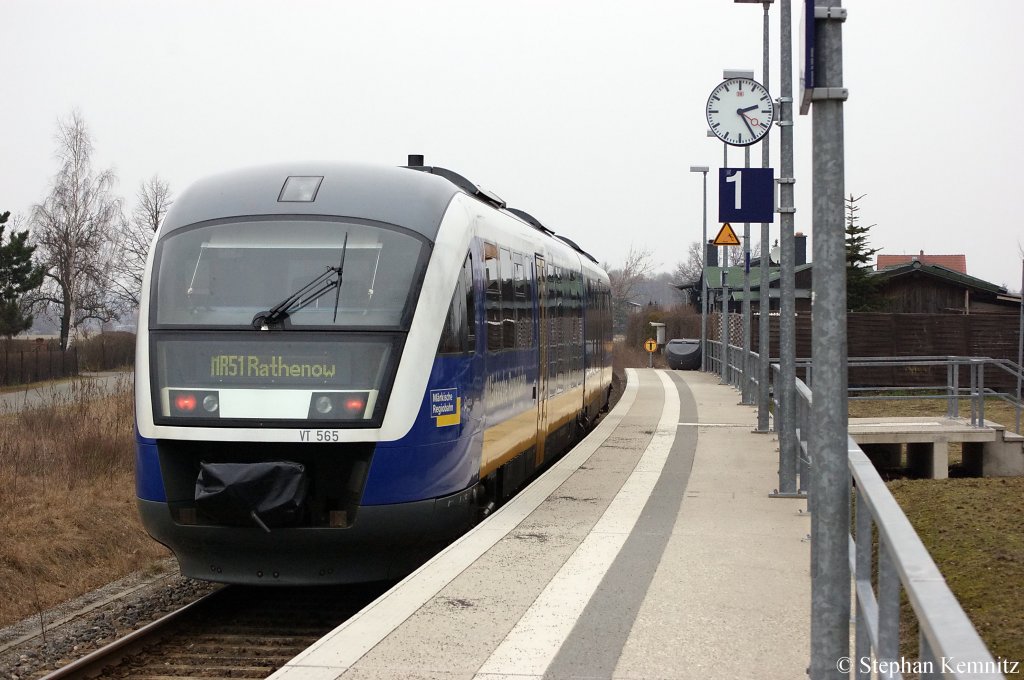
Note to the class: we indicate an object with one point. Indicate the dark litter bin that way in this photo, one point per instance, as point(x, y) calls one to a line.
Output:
point(683, 353)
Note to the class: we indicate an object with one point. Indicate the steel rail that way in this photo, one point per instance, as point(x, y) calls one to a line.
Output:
point(92, 664)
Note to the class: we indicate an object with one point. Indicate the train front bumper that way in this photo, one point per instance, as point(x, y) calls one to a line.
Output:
point(385, 542)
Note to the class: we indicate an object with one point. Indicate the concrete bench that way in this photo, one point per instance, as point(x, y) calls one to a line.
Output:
point(988, 451)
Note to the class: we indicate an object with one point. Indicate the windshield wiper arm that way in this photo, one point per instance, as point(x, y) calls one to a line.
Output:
point(305, 296)
point(341, 274)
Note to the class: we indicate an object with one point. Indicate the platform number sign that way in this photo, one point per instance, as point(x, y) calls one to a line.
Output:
point(746, 195)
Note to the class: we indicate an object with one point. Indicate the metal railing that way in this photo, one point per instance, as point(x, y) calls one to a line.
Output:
point(949, 645)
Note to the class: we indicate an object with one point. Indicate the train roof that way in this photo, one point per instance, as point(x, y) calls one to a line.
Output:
point(414, 200)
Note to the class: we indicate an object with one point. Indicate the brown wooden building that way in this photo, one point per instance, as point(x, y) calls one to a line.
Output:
point(920, 288)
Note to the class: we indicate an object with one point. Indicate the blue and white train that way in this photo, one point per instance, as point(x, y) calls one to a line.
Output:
point(340, 368)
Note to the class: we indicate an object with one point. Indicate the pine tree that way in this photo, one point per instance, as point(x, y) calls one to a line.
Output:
point(861, 286)
point(18, 276)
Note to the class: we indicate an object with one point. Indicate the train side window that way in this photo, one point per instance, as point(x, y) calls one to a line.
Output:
point(492, 301)
point(524, 304)
point(508, 300)
point(467, 287)
point(457, 336)
point(491, 269)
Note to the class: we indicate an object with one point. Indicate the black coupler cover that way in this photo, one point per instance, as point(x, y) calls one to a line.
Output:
point(271, 494)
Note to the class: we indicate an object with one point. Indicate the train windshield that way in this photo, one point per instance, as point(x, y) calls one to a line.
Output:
point(228, 274)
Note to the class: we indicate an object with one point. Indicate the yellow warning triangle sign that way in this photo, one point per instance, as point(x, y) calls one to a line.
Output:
point(726, 236)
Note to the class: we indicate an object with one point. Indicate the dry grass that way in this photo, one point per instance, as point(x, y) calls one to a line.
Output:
point(67, 501)
point(996, 410)
point(625, 356)
point(971, 528)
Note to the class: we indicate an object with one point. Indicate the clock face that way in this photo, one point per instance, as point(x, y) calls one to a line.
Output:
point(740, 111)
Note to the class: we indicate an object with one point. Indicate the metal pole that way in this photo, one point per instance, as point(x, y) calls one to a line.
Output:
point(830, 483)
point(788, 445)
point(745, 386)
point(1020, 344)
point(725, 164)
point(704, 275)
point(724, 335)
point(704, 280)
point(765, 305)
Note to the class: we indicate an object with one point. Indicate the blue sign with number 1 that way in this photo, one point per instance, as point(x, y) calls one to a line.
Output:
point(746, 195)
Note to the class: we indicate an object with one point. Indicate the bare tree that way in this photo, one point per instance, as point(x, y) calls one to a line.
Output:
point(74, 230)
point(625, 280)
point(135, 235)
point(636, 267)
point(688, 271)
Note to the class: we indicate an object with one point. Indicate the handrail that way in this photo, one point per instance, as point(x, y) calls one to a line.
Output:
point(952, 391)
point(949, 645)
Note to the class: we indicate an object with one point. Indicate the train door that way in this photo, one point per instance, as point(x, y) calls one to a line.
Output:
point(542, 357)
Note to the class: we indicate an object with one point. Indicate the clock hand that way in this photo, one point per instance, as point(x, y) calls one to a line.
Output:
point(753, 120)
point(746, 122)
point(749, 108)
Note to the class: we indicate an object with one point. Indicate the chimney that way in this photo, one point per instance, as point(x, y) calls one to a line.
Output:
point(799, 248)
point(712, 253)
point(415, 160)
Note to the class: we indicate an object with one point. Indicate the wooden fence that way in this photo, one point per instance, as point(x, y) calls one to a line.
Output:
point(870, 334)
point(19, 366)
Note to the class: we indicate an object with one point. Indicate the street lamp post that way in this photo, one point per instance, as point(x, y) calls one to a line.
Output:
point(703, 169)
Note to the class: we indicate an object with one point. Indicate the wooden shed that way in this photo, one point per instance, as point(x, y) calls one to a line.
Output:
point(920, 288)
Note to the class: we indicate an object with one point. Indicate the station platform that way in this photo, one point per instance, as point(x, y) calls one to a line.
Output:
point(652, 550)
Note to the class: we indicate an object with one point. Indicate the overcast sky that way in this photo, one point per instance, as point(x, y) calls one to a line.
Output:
point(587, 114)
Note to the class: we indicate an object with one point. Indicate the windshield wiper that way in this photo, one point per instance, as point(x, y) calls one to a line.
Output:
point(305, 296)
point(341, 274)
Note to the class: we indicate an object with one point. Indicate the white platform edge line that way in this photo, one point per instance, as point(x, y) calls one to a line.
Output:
point(534, 641)
point(345, 645)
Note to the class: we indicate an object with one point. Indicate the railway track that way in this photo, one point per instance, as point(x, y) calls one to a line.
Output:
point(235, 632)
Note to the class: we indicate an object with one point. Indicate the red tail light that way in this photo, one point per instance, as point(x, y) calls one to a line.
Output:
point(338, 405)
point(185, 402)
point(194, 403)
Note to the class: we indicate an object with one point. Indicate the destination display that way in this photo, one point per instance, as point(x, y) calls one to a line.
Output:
point(256, 366)
point(343, 363)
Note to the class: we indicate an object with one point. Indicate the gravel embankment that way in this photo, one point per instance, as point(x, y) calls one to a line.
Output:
point(76, 627)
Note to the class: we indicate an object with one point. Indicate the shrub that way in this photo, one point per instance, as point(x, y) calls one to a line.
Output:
point(106, 351)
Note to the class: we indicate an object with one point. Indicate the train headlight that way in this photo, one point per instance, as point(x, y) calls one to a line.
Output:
point(323, 405)
point(211, 403)
point(194, 403)
point(338, 405)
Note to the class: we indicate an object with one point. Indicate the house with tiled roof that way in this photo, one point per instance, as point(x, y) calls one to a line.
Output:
point(957, 263)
